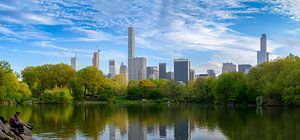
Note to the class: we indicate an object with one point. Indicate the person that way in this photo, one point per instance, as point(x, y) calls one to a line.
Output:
point(15, 123)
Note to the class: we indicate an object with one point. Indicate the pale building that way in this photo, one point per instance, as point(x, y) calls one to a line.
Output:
point(139, 68)
point(124, 71)
point(112, 69)
point(228, 67)
point(75, 63)
point(131, 52)
point(152, 72)
point(244, 68)
point(262, 55)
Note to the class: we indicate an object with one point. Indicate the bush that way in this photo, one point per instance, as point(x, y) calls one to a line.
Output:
point(56, 95)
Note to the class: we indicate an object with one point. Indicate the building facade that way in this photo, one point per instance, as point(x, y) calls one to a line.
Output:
point(75, 63)
point(228, 67)
point(124, 71)
point(139, 68)
point(192, 74)
point(152, 72)
point(131, 52)
point(112, 68)
point(182, 70)
point(170, 75)
point(96, 59)
point(162, 70)
point(211, 73)
point(244, 68)
point(262, 55)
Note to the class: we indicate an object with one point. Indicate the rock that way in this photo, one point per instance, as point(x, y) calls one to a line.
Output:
point(7, 134)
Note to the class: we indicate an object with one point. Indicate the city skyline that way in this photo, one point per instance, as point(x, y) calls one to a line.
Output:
point(34, 33)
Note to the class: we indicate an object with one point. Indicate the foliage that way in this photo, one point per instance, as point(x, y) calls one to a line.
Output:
point(56, 95)
point(10, 88)
point(202, 89)
point(48, 76)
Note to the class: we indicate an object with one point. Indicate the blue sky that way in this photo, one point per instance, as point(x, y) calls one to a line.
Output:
point(209, 32)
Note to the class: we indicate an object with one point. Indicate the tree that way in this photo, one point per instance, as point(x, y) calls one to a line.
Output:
point(175, 90)
point(147, 86)
point(202, 89)
point(92, 79)
point(230, 86)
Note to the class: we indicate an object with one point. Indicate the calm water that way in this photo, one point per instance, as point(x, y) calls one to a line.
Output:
point(151, 122)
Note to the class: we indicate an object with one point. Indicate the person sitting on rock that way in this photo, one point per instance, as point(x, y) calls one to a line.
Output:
point(15, 123)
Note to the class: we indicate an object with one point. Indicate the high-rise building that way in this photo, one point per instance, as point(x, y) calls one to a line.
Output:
point(152, 72)
point(170, 75)
point(139, 68)
point(96, 59)
point(262, 55)
point(131, 51)
point(124, 71)
point(192, 74)
point(202, 76)
point(182, 70)
point(162, 70)
point(211, 73)
point(228, 67)
point(244, 68)
point(75, 62)
point(112, 68)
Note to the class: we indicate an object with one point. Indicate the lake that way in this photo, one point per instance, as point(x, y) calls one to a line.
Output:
point(152, 122)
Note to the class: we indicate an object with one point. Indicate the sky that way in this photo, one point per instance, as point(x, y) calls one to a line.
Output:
point(208, 32)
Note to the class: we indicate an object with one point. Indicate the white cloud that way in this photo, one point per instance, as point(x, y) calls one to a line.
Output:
point(290, 8)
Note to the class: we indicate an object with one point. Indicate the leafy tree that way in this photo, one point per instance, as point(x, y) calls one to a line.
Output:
point(202, 89)
point(175, 90)
point(92, 79)
point(230, 86)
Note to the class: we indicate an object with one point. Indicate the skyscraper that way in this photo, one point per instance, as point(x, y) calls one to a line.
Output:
point(96, 59)
point(244, 68)
point(211, 73)
point(139, 68)
point(192, 74)
point(170, 75)
point(182, 70)
point(131, 51)
point(162, 70)
point(262, 55)
point(152, 72)
point(75, 62)
point(228, 67)
point(124, 71)
point(112, 68)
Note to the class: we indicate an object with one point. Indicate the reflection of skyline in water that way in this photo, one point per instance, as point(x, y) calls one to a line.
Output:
point(149, 122)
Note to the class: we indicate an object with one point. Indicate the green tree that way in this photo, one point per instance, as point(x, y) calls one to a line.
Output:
point(92, 79)
point(202, 89)
point(230, 86)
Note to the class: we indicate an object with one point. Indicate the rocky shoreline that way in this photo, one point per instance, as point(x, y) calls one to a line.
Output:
point(6, 133)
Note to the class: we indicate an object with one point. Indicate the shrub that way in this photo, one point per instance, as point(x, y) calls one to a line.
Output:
point(56, 95)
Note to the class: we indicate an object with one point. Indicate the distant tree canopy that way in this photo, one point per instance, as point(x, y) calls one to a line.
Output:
point(276, 83)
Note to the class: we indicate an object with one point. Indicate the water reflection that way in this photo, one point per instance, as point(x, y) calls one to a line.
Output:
point(147, 122)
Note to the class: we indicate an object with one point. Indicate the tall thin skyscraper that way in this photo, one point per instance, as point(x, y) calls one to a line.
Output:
point(182, 70)
point(162, 70)
point(75, 62)
point(131, 51)
point(262, 55)
point(96, 59)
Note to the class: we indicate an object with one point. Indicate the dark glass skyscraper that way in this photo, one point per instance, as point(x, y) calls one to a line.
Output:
point(182, 70)
point(162, 70)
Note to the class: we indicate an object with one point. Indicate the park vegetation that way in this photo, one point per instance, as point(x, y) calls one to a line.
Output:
point(275, 83)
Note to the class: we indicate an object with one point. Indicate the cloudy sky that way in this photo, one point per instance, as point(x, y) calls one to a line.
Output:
point(209, 32)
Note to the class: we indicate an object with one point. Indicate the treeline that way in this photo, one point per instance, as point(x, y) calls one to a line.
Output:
point(272, 83)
